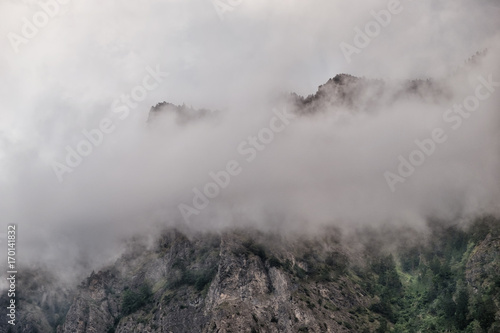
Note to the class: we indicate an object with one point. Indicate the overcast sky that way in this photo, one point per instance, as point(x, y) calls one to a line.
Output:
point(64, 78)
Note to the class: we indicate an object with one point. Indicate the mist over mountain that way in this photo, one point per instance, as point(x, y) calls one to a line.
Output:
point(284, 246)
point(265, 166)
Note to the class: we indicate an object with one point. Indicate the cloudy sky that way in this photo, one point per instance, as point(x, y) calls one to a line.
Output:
point(62, 74)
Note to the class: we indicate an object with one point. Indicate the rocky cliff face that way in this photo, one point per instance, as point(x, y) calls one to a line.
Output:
point(42, 302)
point(248, 281)
point(234, 282)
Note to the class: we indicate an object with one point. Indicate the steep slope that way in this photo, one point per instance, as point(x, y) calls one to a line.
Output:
point(246, 281)
point(43, 301)
point(385, 280)
point(232, 282)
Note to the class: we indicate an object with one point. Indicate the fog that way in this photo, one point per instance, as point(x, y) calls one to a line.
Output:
point(318, 170)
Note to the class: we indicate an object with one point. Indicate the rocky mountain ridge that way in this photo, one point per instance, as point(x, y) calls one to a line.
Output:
point(249, 281)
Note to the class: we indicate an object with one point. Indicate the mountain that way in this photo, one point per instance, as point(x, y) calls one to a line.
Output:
point(249, 281)
point(385, 279)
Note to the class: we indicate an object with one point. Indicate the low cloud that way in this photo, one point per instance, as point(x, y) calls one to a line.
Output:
point(325, 168)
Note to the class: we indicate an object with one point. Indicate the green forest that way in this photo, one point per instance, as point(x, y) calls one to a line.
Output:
point(449, 284)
